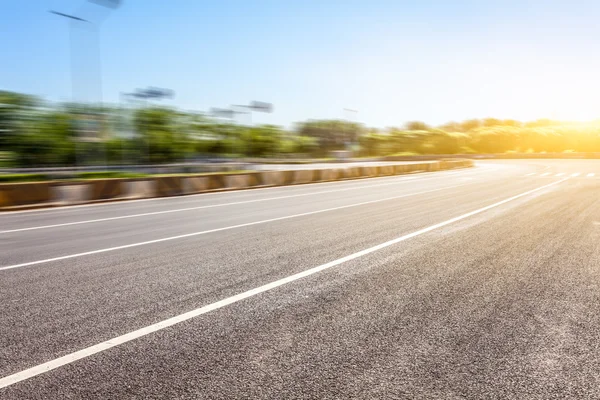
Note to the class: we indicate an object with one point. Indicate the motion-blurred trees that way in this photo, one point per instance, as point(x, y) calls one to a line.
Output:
point(34, 133)
point(331, 134)
point(416, 126)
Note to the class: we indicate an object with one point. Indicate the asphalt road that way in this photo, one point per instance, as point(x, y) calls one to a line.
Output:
point(465, 284)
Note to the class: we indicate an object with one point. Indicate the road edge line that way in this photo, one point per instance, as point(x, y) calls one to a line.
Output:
point(116, 341)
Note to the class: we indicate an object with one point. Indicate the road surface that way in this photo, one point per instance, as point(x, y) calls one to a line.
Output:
point(473, 283)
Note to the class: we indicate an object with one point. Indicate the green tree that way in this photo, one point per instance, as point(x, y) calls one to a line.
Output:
point(416, 126)
point(331, 134)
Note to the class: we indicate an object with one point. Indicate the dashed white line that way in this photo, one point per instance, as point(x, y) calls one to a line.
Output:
point(264, 221)
point(100, 347)
point(404, 177)
point(545, 174)
point(575, 174)
point(91, 221)
point(531, 174)
point(591, 174)
point(560, 174)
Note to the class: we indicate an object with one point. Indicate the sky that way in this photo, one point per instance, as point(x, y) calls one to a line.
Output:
point(391, 60)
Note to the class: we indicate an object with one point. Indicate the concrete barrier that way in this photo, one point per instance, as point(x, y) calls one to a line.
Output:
point(255, 179)
point(400, 169)
point(168, 186)
point(140, 188)
point(432, 166)
point(273, 178)
point(369, 172)
point(25, 194)
point(418, 167)
point(240, 181)
point(450, 164)
point(236, 181)
point(215, 182)
point(106, 189)
point(325, 175)
point(352, 172)
point(71, 193)
point(17, 194)
point(303, 176)
point(199, 184)
point(386, 170)
point(194, 184)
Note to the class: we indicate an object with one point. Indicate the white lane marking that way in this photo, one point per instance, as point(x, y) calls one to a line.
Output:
point(90, 221)
point(531, 174)
point(575, 174)
point(403, 177)
point(127, 246)
point(116, 341)
point(591, 174)
point(545, 174)
point(560, 174)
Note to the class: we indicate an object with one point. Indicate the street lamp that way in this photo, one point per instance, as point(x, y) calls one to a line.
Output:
point(227, 113)
point(69, 16)
point(153, 93)
point(144, 95)
point(73, 21)
point(258, 106)
point(350, 111)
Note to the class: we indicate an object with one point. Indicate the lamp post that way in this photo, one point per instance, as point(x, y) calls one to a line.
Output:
point(350, 111)
point(258, 106)
point(228, 113)
point(144, 95)
point(74, 21)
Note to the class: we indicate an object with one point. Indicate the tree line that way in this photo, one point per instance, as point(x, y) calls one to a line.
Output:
point(37, 133)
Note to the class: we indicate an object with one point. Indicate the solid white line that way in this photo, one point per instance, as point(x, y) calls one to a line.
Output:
point(590, 174)
point(575, 174)
point(403, 177)
point(90, 221)
point(100, 347)
point(127, 246)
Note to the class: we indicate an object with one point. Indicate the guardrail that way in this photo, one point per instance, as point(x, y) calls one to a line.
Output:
point(17, 196)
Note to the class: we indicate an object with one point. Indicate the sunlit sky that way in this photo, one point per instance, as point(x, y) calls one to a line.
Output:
point(393, 61)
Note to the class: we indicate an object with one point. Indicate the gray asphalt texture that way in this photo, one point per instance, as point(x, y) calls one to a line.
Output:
point(504, 304)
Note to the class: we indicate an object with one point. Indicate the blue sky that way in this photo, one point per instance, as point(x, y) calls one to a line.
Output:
point(393, 61)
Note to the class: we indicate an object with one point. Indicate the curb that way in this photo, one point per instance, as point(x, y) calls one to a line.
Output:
point(37, 195)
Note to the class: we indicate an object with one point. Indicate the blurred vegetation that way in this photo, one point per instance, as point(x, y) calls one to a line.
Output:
point(39, 177)
point(37, 133)
point(12, 178)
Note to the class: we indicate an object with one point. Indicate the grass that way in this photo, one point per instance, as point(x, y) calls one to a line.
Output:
point(14, 178)
point(20, 178)
point(404, 154)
